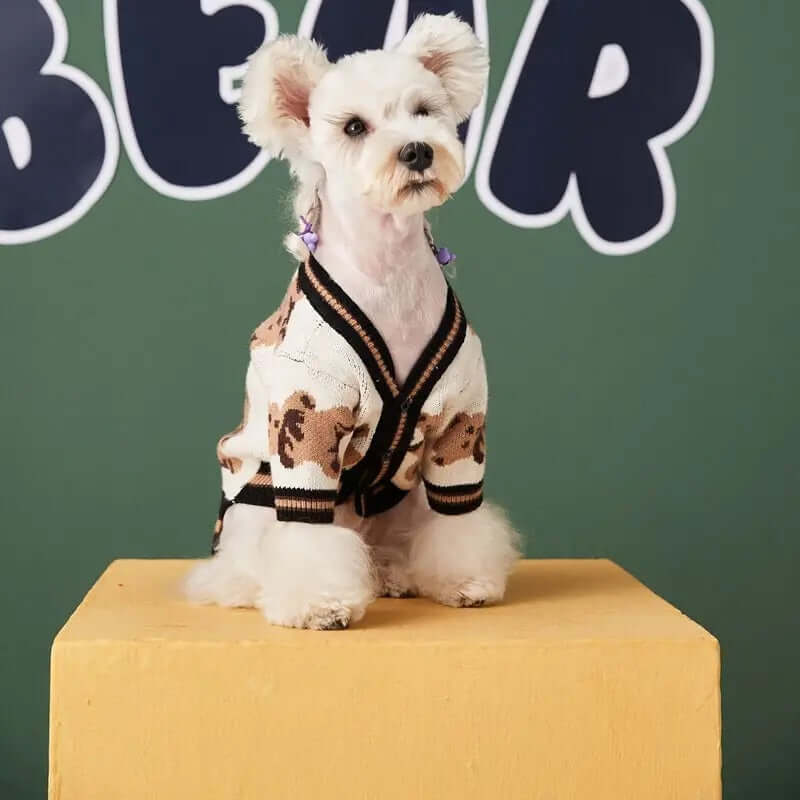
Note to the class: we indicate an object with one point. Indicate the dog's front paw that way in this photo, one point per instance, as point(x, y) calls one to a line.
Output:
point(472, 593)
point(328, 618)
point(324, 617)
point(320, 616)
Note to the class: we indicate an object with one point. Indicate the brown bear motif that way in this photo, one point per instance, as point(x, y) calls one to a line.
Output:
point(464, 437)
point(407, 475)
point(299, 433)
point(273, 330)
point(353, 454)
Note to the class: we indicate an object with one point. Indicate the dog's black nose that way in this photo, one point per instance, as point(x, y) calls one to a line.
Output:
point(417, 156)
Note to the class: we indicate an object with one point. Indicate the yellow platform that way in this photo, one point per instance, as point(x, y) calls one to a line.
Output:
point(584, 685)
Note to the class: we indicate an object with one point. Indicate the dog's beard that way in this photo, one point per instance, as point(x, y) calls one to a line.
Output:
point(397, 189)
point(418, 195)
point(422, 185)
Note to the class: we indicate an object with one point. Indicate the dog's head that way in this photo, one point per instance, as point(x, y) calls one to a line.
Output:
point(382, 122)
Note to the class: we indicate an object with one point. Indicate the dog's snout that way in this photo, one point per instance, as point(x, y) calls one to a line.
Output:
point(417, 156)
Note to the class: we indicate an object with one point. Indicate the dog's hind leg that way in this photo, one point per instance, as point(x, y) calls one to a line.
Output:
point(390, 538)
point(230, 578)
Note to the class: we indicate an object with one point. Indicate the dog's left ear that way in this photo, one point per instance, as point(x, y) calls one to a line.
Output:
point(449, 48)
point(276, 91)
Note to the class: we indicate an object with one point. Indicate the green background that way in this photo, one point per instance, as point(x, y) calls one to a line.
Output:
point(644, 408)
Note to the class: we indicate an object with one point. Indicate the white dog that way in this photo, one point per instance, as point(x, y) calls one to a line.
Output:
point(357, 469)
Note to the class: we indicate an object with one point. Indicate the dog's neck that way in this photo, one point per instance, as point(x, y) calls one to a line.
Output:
point(384, 263)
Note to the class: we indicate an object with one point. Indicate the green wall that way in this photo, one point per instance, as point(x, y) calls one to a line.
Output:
point(644, 408)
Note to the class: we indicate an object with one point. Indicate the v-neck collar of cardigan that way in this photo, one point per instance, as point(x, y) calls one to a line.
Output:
point(340, 311)
point(370, 480)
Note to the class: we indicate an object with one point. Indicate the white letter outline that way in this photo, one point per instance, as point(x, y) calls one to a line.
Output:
point(571, 200)
point(54, 65)
point(226, 73)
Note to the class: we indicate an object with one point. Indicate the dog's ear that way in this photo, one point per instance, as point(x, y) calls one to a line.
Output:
point(449, 48)
point(275, 93)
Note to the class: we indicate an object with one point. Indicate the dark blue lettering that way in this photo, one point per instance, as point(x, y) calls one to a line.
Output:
point(58, 141)
point(594, 93)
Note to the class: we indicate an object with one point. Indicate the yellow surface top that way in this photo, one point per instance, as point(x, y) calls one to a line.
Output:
point(548, 601)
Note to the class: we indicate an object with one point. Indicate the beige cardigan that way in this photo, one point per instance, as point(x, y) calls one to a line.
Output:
point(325, 421)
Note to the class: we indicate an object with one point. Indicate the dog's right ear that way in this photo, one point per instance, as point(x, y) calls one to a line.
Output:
point(277, 86)
point(448, 47)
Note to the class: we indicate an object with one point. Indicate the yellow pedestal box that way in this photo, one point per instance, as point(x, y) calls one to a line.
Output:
point(583, 685)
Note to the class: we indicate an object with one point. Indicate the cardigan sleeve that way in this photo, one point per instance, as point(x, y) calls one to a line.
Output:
point(455, 458)
point(310, 423)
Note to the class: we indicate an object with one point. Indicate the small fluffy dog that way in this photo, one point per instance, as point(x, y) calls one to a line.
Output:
point(357, 469)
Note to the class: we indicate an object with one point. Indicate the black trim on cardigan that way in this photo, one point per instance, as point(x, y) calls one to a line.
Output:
point(458, 499)
point(370, 478)
point(454, 509)
point(454, 491)
point(452, 327)
point(378, 498)
point(339, 323)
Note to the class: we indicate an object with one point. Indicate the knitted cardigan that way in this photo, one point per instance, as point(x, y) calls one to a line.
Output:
point(326, 421)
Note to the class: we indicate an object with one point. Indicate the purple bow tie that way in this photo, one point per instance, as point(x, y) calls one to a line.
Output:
point(310, 239)
point(444, 256)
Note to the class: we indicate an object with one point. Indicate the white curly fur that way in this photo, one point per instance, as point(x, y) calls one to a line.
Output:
point(449, 48)
point(464, 561)
point(299, 575)
point(275, 94)
point(373, 242)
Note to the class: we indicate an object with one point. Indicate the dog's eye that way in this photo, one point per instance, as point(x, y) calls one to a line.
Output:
point(355, 127)
point(422, 111)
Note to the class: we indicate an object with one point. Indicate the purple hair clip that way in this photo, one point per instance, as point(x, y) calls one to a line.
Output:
point(444, 256)
point(310, 239)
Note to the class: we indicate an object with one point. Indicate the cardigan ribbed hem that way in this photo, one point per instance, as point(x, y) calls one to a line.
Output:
point(305, 505)
point(291, 505)
point(454, 500)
